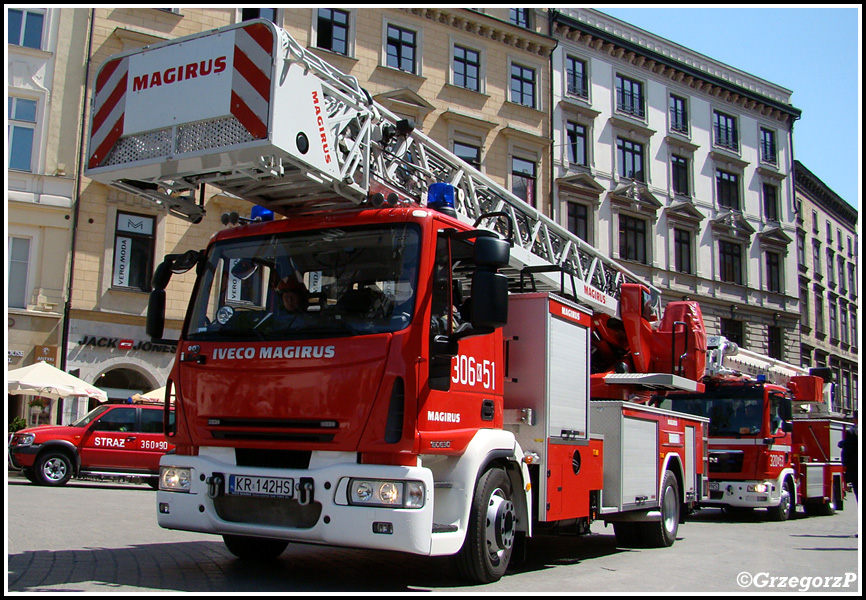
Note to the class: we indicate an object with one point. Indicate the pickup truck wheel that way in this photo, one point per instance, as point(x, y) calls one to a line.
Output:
point(53, 468)
point(663, 533)
point(492, 527)
point(254, 548)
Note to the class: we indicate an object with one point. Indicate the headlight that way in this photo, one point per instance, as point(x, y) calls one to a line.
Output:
point(174, 479)
point(760, 488)
point(24, 439)
point(393, 494)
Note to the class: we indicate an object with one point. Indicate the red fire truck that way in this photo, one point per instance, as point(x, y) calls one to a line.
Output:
point(772, 443)
point(406, 360)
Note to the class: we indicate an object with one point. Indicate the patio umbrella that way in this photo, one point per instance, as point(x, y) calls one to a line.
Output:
point(157, 395)
point(41, 379)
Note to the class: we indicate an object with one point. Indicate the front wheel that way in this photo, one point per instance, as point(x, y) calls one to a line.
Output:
point(787, 505)
point(53, 468)
point(253, 548)
point(490, 536)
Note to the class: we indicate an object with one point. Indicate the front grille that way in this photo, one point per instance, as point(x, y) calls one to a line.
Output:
point(273, 459)
point(729, 461)
point(274, 512)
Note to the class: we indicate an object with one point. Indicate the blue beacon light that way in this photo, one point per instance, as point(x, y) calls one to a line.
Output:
point(440, 197)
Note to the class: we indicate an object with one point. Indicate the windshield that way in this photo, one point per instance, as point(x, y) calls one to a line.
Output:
point(298, 285)
point(92, 415)
point(735, 414)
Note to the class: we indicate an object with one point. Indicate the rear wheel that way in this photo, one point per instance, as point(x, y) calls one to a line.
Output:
point(663, 533)
point(254, 548)
point(53, 468)
point(490, 536)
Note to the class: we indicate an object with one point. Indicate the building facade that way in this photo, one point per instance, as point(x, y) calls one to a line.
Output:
point(679, 167)
point(45, 76)
point(827, 252)
point(675, 164)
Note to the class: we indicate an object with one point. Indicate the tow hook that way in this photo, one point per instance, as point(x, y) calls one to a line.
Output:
point(305, 491)
point(215, 485)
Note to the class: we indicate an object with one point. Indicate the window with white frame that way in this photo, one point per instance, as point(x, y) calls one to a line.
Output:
point(632, 239)
point(730, 262)
point(19, 261)
point(576, 134)
point(21, 128)
point(768, 146)
point(134, 241)
point(630, 96)
point(25, 27)
point(578, 220)
point(725, 131)
point(576, 78)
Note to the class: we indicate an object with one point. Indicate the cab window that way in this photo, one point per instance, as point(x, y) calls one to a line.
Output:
point(119, 419)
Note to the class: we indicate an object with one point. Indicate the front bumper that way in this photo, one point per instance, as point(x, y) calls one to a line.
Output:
point(742, 494)
point(320, 513)
point(23, 457)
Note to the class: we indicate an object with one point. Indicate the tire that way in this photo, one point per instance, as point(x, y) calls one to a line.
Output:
point(253, 548)
point(663, 533)
point(53, 468)
point(490, 535)
point(787, 505)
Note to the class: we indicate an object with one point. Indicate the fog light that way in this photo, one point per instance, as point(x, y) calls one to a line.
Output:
point(164, 508)
point(386, 528)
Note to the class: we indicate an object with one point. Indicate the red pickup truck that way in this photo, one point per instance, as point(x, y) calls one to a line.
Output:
point(112, 440)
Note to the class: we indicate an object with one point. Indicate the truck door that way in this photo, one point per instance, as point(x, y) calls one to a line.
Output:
point(112, 441)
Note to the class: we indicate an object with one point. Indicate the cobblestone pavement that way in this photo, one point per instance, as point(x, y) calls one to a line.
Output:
point(103, 537)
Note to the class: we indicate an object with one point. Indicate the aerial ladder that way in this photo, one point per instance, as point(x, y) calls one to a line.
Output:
point(358, 152)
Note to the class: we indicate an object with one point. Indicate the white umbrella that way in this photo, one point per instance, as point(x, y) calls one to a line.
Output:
point(41, 379)
point(157, 395)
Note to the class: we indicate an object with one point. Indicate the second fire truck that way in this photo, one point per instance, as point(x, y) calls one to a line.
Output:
point(773, 444)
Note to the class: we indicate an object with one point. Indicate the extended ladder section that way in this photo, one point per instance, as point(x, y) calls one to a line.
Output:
point(248, 110)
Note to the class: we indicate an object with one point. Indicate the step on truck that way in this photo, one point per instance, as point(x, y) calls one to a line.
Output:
point(391, 351)
point(773, 444)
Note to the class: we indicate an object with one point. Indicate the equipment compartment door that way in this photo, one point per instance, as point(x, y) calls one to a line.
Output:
point(639, 462)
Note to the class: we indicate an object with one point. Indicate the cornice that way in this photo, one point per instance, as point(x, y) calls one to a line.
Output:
point(489, 27)
point(664, 65)
point(820, 193)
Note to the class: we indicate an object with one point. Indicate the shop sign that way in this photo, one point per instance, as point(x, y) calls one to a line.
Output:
point(125, 344)
point(47, 354)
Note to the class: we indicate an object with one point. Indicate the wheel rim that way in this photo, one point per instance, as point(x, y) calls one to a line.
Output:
point(785, 501)
point(669, 506)
point(500, 524)
point(54, 469)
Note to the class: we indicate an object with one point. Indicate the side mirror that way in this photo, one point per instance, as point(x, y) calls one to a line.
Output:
point(492, 252)
point(489, 300)
point(156, 314)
